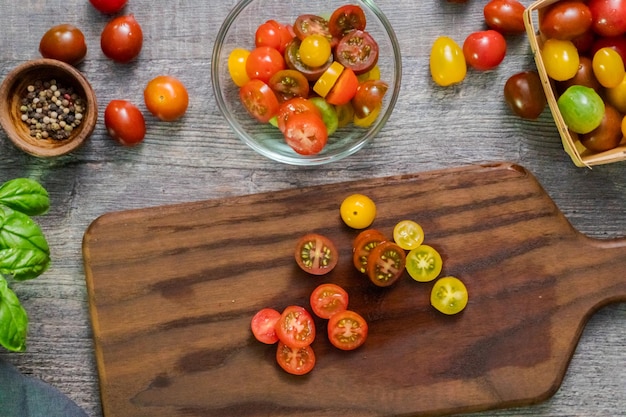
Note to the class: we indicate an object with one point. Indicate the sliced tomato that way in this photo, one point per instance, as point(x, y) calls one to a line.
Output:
point(345, 19)
point(263, 325)
point(347, 330)
point(424, 263)
point(368, 97)
point(295, 327)
point(310, 24)
point(288, 84)
point(363, 244)
point(328, 299)
point(293, 61)
point(344, 89)
point(449, 295)
point(316, 254)
point(357, 50)
point(259, 100)
point(408, 234)
point(306, 133)
point(296, 361)
point(385, 263)
point(327, 80)
point(294, 106)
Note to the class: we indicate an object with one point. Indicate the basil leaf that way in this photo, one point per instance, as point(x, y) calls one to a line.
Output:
point(24, 251)
point(13, 320)
point(25, 195)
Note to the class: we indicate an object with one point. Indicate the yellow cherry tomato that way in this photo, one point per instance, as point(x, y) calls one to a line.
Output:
point(408, 234)
point(616, 96)
point(237, 66)
point(315, 50)
point(447, 62)
point(373, 74)
point(367, 120)
point(624, 127)
point(358, 211)
point(560, 59)
point(608, 67)
point(327, 80)
point(449, 295)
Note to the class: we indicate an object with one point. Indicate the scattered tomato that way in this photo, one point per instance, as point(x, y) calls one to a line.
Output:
point(582, 108)
point(449, 295)
point(316, 254)
point(524, 94)
point(122, 39)
point(263, 325)
point(347, 330)
point(259, 100)
point(485, 49)
point(108, 6)
point(447, 62)
point(166, 97)
point(328, 299)
point(295, 327)
point(505, 16)
point(424, 263)
point(408, 234)
point(385, 263)
point(65, 43)
point(124, 122)
point(363, 245)
point(296, 361)
point(358, 211)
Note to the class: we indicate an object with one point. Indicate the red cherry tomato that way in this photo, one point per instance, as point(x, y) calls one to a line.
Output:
point(65, 43)
point(296, 361)
point(484, 50)
point(122, 39)
point(344, 89)
point(363, 245)
point(566, 20)
point(315, 253)
point(505, 16)
point(166, 97)
point(124, 122)
point(273, 34)
point(263, 62)
point(328, 299)
point(295, 327)
point(306, 133)
point(259, 100)
point(609, 17)
point(347, 330)
point(263, 325)
point(357, 50)
point(345, 19)
point(293, 106)
point(108, 6)
point(386, 263)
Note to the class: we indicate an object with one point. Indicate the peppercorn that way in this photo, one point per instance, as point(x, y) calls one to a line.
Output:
point(51, 110)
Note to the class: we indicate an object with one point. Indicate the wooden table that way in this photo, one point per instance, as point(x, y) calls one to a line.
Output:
point(200, 158)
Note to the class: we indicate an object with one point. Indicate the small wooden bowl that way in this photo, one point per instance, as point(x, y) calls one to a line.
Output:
point(13, 90)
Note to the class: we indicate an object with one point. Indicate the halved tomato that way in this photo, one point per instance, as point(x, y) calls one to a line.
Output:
point(263, 62)
point(369, 97)
point(345, 19)
point(316, 254)
point(310, 24)
point(357, 50)
point(362, 246)
point(291, 107)
point(347, 330)
point(344, 89)
point(328, 299)
point(449, 295)
point(295, 327)
point(306, 133)
point(408, 234)
point(296, 361)
point(293, 61)
point(259, 100)
point(385, 263)
point(424, 263)
point(263, 325)
point(288, 84)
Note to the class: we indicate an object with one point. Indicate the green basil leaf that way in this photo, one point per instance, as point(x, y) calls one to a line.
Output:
point(13, 320)
point(25, 195)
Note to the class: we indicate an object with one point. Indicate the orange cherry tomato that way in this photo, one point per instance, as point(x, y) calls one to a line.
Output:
point(166, 97)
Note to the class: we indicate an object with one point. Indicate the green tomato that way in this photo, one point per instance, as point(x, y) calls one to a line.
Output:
point(447, 62)
point(582, 108)
point(329, 114)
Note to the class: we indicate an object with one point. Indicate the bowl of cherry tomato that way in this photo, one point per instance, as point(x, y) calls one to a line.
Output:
point(306, 85)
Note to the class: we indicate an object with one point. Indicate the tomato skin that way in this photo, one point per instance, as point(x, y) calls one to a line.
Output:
point(616, 96)
point(609, 17)
point(449, 295)
point(566, 20)
point(315, 253)
point(358, 211)
point(259, 100)
point(108, 6)
point(296, 361)
point(295, 327)
point(65, 43)
point(328, 299)
point(616, 42)
point(560, 59)
point(166, 97)
point(484, 50)
point(368, 97)
point(524, 94)
point(505, 16)
point(582, 108)
point(306, 133)
point(357, 50)
point(263, 62)
point(385, 263)
point(124, 122)
point(447, 62)
point(263, 325)
point(272, 34)
point(121, 39)
point(584, 76)
point(345, 19)
point(347, 330)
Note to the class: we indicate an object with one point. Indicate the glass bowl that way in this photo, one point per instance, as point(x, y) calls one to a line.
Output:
point(238, 31)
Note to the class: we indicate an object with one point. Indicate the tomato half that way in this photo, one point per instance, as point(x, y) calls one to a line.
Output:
point(328, 78)
point(385, 263)
point(65, 43)
point(424, 263)
point(368, 97)
point(291, 107)
point(122, 38)
point(296, 361)
point(293, 61)
point(344, 89)
point(306, 133)
point(357, 50)
point(358, 211)
point(408, 234)
point(263, 62)
point(166, 97)
point(347, 330)
point(124, 122)
point(345, 19)
point(328, 299)
point(363, 245)
point(316, 254)
point(289, 83)
point(295, 327)
point(263, 325)
point(449, 295)
point(259, 100)
point(309, 24)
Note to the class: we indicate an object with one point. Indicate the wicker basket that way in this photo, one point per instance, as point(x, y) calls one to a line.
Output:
point(579, 154)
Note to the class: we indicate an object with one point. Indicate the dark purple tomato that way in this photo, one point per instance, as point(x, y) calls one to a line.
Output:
point(606, 136)
point(505, 16)
point(524, 94)
point(584, 76)
point(122, 39)
point(566, 20)
point(65, 43)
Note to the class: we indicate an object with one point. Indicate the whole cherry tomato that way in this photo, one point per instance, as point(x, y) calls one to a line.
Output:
point(616, 96)
point(447, 62)
point(166, 97)
point(560, 58)
point(485, 49)
point(108, 6)
point(263, 62)
point(524, 94)
point(65, 43)
point(124, 122)
point(566, 20)
point(609, 16)
point(505, 16)
point(615, 42)
point(608, 67)
point(122, 38)
point(606, 136)
point(582, 108)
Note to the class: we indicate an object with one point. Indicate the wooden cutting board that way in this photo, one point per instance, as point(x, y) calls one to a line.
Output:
point(172, 290)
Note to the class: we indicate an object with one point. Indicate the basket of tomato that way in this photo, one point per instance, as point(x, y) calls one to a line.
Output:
point(580, 52)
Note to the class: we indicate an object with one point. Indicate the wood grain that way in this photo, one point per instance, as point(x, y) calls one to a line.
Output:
point(171, 305)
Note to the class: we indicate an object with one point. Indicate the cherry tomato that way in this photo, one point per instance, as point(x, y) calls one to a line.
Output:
point(124, 122)
point(447, 62)
point(347, 330)
point(505, 16)
point(616, 42)
point(296, 361)
point(316, 254)
point(288, 84)
point(259, 100)
point(295, 327)
point(606, 136)
point(306, 133)
point(524, 94)
point(291, 107)
point(624, 127)
point(484, 50)
point(560, 59)
point(108, 6)
point(328, 113)
point(357, 50)
point(358, 211)
point(122, 38)
point(582, 108)
point(609, 16)
point(367, 121)
point(566, 20)
point(408, 234)
point(263, 62)
point(385, 263)
point(608, 67)
point(344, 89)
point(449, 295)
point(273, 34)
point(315, 50)
point(363, 245)
point(328, 299)
point(327, 80)
point(166, 97)
point(65, 43)
point(309, 24)
point(368, 97)
point(616, 96)
point(424, 263)
point(263, 325)
point(237, 66)
point(584, 76)
point(345, 19)
point(293, 61)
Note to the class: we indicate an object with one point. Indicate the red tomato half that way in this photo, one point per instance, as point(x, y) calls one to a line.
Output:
point(484, 50)
point(309, 24)
point(363, 244)
point(293, 106)
point(289, 83)
point(386, 263)
point(306, 133)
point(263, 325)
point(124, 122)
point(357, 50)
point(122, 39)
point(345, 19)
point(259, 100)
point(296, 361)
point(263, 62)
point(347, 330)
point(328, 299)
point(315, 253)
point(295, 327)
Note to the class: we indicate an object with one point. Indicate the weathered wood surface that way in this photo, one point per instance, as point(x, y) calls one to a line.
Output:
point(199, 158)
